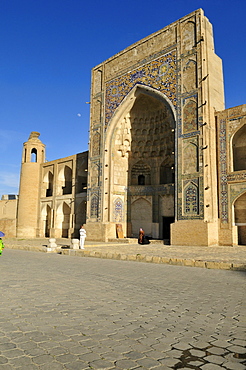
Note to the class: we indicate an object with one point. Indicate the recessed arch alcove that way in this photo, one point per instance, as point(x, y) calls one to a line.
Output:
point(240, 218)
point(141, 138)
point(239, 149)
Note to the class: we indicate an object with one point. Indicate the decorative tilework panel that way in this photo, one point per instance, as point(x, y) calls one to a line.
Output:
point(95, 174)
point(190, 116)
point(241, 176)
point(190, 156)
point(191, 199)
point(159, 74)
point(223, 173)
point(118, 210)
point(150, 189)
point(189, 77)
point(189, 35)
point(94, 206)
point(96, 144)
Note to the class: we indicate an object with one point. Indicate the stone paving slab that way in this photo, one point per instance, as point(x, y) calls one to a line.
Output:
point(64, 312)
point(214, 257)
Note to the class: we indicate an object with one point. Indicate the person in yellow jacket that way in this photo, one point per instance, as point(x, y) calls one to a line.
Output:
point(1, 242)
point(1, 246)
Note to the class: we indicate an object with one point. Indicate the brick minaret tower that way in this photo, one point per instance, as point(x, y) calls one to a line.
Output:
point(32, 157)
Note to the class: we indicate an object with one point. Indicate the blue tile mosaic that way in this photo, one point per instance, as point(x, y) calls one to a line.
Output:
point(159, 74)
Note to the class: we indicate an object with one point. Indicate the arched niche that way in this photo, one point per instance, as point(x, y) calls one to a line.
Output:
point(62, 221)
point(64, 182)
point(46, 216)
point(140, 174)
point(67, 188)
point(189, 77)
point(240, 218)
point(48, 181)
point(190, 157)
point(81, 175)
point(143, 135)
point(48, 221)
point(188, 35)
point(190, 116)
point(139, 137)
point(239, 149)
point(66, 210)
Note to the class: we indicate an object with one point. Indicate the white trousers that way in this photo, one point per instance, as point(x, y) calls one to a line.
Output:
point(82, 242)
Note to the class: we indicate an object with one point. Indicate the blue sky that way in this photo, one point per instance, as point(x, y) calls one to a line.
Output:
point(48, 48)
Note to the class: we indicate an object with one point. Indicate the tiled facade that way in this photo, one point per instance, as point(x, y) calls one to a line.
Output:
point(164, 154)
point(160, 74)
point(164, 86)
point(231, 181)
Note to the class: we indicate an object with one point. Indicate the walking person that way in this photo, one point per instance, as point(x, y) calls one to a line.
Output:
point(82, 236)
point(1, 242)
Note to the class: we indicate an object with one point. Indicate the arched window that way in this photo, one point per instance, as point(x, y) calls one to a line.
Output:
point(239, 149)
point(141, 180)
point(140, 174)
point(34, 155)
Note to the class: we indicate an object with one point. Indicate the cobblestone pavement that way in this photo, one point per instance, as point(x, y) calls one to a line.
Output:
point(65, 312)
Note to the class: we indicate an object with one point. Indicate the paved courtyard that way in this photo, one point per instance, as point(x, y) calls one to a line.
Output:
point(66, 312)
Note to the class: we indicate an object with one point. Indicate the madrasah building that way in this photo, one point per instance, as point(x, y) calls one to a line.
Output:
point(164, 153)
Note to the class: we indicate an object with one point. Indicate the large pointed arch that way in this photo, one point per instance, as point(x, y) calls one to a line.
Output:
point(126, 106)
point(140, 135)
point(129, 101)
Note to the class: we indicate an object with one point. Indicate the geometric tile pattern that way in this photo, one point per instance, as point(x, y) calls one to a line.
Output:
point(191, 199)
point(223, 173)
point(159, 74)
point(118, 210)
point(95, 147)
point(94, 206)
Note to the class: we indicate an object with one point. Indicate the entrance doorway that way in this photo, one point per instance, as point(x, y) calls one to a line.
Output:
point(166, 222)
